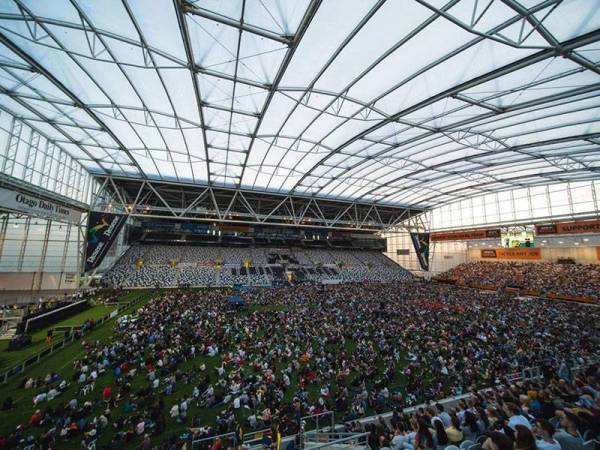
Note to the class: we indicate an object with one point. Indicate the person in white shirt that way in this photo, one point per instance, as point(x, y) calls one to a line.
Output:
point(52, 394)
point(40, 398)
point(544, 431)
point(140, 427)
point(174, 412)
point(253, 421)
point(443, 415)
point(402, 439)
point(515, 416)
point(183, 407)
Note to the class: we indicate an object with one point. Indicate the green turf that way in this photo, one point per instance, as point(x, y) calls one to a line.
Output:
point(62, 362)
point(38, 339)
point(38, 343)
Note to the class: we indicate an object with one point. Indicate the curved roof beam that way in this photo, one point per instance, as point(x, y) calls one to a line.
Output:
point(98, 31)
point(423, 70)
point(292, 46)
point(524, 62)
point(517, 149)
point(41, 70)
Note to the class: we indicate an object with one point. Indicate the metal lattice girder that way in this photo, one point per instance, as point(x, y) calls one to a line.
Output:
point(32, 153)
point(45, 163)
point(160, 200)
point(312, 98)
point(12, 146)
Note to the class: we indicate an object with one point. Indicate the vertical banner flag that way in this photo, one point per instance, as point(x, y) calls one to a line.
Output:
point(102, 230)
point(421, 243)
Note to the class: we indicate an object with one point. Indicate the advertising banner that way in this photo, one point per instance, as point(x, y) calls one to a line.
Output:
point(577, 227)
point(512, 253)
point(235, 228)
point(102, 230)
point(541, 230)
point(36, 206)
point(465, 235)
point(421, 243)
point(489, 253)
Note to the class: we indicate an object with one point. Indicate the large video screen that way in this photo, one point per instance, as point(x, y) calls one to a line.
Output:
point(518, 238)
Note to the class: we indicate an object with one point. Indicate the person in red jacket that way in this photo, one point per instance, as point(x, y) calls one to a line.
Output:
point(106, 393)
point(35, 418)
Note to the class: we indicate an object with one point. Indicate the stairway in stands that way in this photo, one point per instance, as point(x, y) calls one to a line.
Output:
point(9, 319)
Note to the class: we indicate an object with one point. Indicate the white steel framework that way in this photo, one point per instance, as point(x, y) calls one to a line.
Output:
point(160, 200)
point(412, 103)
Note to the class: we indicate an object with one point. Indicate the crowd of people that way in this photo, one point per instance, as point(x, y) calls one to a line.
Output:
point(568, 279)
point(187, 366)
point(172, 266)
point(553, 414)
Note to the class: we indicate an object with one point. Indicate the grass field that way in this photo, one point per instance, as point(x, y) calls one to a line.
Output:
point(63, 360)
point(62, 363)
point(8, 359)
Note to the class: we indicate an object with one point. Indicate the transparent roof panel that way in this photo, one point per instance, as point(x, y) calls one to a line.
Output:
point(412, 102)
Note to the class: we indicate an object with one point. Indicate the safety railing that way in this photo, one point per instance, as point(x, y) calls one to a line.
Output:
point(314, 422)
point(318, 440)
point(207, 442)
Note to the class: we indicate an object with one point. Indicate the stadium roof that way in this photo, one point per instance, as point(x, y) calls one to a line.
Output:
point(397, 102)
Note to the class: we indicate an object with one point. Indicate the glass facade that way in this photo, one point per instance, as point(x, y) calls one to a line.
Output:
point(27, 155)
point(535, 203)
point(336, 99)
point(29, 244)
point(518, 206)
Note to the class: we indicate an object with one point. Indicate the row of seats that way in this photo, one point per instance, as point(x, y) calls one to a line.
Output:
point(162, 265)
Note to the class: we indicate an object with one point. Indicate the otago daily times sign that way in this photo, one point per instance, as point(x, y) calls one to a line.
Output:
point(36, 206)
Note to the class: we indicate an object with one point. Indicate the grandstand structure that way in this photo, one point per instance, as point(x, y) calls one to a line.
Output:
point(226, 114)
point(226, 222)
